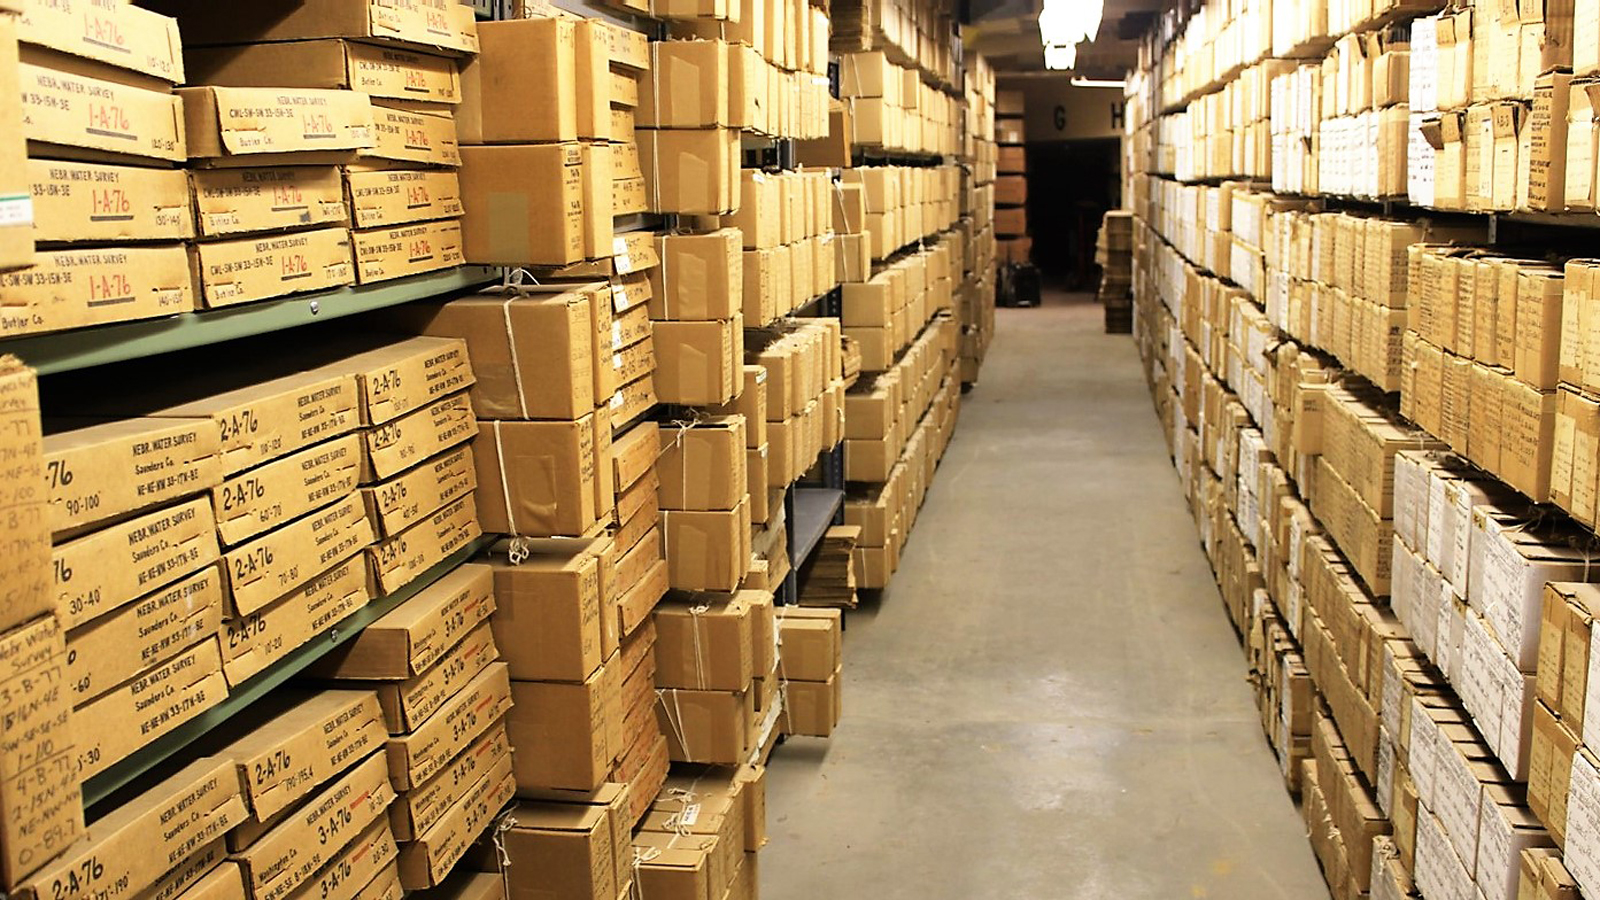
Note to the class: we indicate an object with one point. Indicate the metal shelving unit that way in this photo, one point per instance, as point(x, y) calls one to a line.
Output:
point(132, 768)
point(83, 348)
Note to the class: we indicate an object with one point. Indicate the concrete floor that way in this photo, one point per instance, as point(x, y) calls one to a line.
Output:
point(1049, 701)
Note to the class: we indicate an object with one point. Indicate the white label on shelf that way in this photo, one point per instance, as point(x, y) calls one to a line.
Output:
point(16, 209)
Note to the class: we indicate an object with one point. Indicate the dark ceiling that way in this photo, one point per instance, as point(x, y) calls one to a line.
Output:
point(1007, 32)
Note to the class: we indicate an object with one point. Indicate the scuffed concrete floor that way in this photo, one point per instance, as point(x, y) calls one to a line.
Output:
point(1049, 701)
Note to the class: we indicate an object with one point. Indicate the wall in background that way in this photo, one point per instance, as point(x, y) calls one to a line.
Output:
point(1057, 111)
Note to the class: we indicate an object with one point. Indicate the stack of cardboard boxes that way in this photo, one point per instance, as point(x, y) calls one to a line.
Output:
point(444, 694)
point(108, 205)
point(284, 475)
point(792, 254)
point(889, 107)
point(905, 203)
point(1011, 187)
point(975, 294)
point(811, 664)
point(777, 66)
point(1113, 253)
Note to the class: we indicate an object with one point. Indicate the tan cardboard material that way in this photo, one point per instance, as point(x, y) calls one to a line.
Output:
point(407, 704)
point(401, 443)
point(417, 757)
point(100, 470)
point(252, 642)
point(383, 197)
point(562, 847)
point(294, 849)
point(295, 742)
point(706, 726)
point(701, 276)
point(385, 253)
point(498, 106)
point(690, 171)
point(149, 705)
point(378, 70)
point(75, 288)
point(399, 560)
point(41, 807)
point(80, 201)
point(286, 488)
point(497, 329)
point(524, 204)
point(703, 466)
point(360, 870)
point(118, 646)
point(410, 638)
point(25, 587)
point(699, 363)
point(428, 23)
point(104, 569)
point(687, 86)
point(242, 270)
point(126, 37)
point(406, 499)
point(131, 847)
point(413, 136)
point(235, 201)
point(418, 809)
point(275, 563)
point(17, 203)
point(704, 642)
point(634, 453)
point(116, 122)
point(537, 477)
point(226, 123)
point(426, 861)
point(571, 721)
point(222, 883)
point(708, 551)
point(200, 873)
point(549, 608)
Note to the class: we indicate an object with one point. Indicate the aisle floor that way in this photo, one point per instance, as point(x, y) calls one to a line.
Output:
point(1049, 701)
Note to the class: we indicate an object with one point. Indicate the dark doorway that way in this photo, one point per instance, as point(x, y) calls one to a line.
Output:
point(1071, 184)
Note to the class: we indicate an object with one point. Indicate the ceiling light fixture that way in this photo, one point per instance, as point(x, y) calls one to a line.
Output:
point(1063, 24)
point(1080, 81)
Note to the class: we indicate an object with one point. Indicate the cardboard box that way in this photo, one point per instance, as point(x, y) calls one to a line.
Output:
point(550, 606)
point(377, 70)
point(634, 453)
point(513, 383)
point(693, 172)
point(1547, 142)
point(116, 647)
point(408, 498)
point(687, 86)
point(419, 809)
point(205, 875)
point(570, 722)
point(416, 757)
point(399, 560)
point(705, 643)
point(440, 24)
point(561, 849)
point(412, 136)
point(699, 363)
point(125, 37)
point(702, 467)
point(80, 201)
point(408, 704)
point(810, 707)
point(426, 861)
point(293, 742)
point(281, 560)
point(710, 551)
point(413, 636)
point(253, 642)
point(385, 253)
point(104, 569)
point(132, 846)
point(116, 122)
point(76, 288)
point(243, 270)
point(400, 375)
point(41, 808)
point(810, 647)
point(384, 197)
point(419, 435)
point(701, 276)
point(706, 726)
point(239, 126)
point(560, 500)
point(289, 854)
point(274, 493)
point(363, 869)
point(524, 204)
point(101, 470)
point(235, 201)
point(149, 705)
point(520, 89)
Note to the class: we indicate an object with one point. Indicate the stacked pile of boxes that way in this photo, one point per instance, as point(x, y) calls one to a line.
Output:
point(801, 235)
point(1011, 186)
point(976, 294)
point(1113, 253)
point(889, 108)
point(1388, 562)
